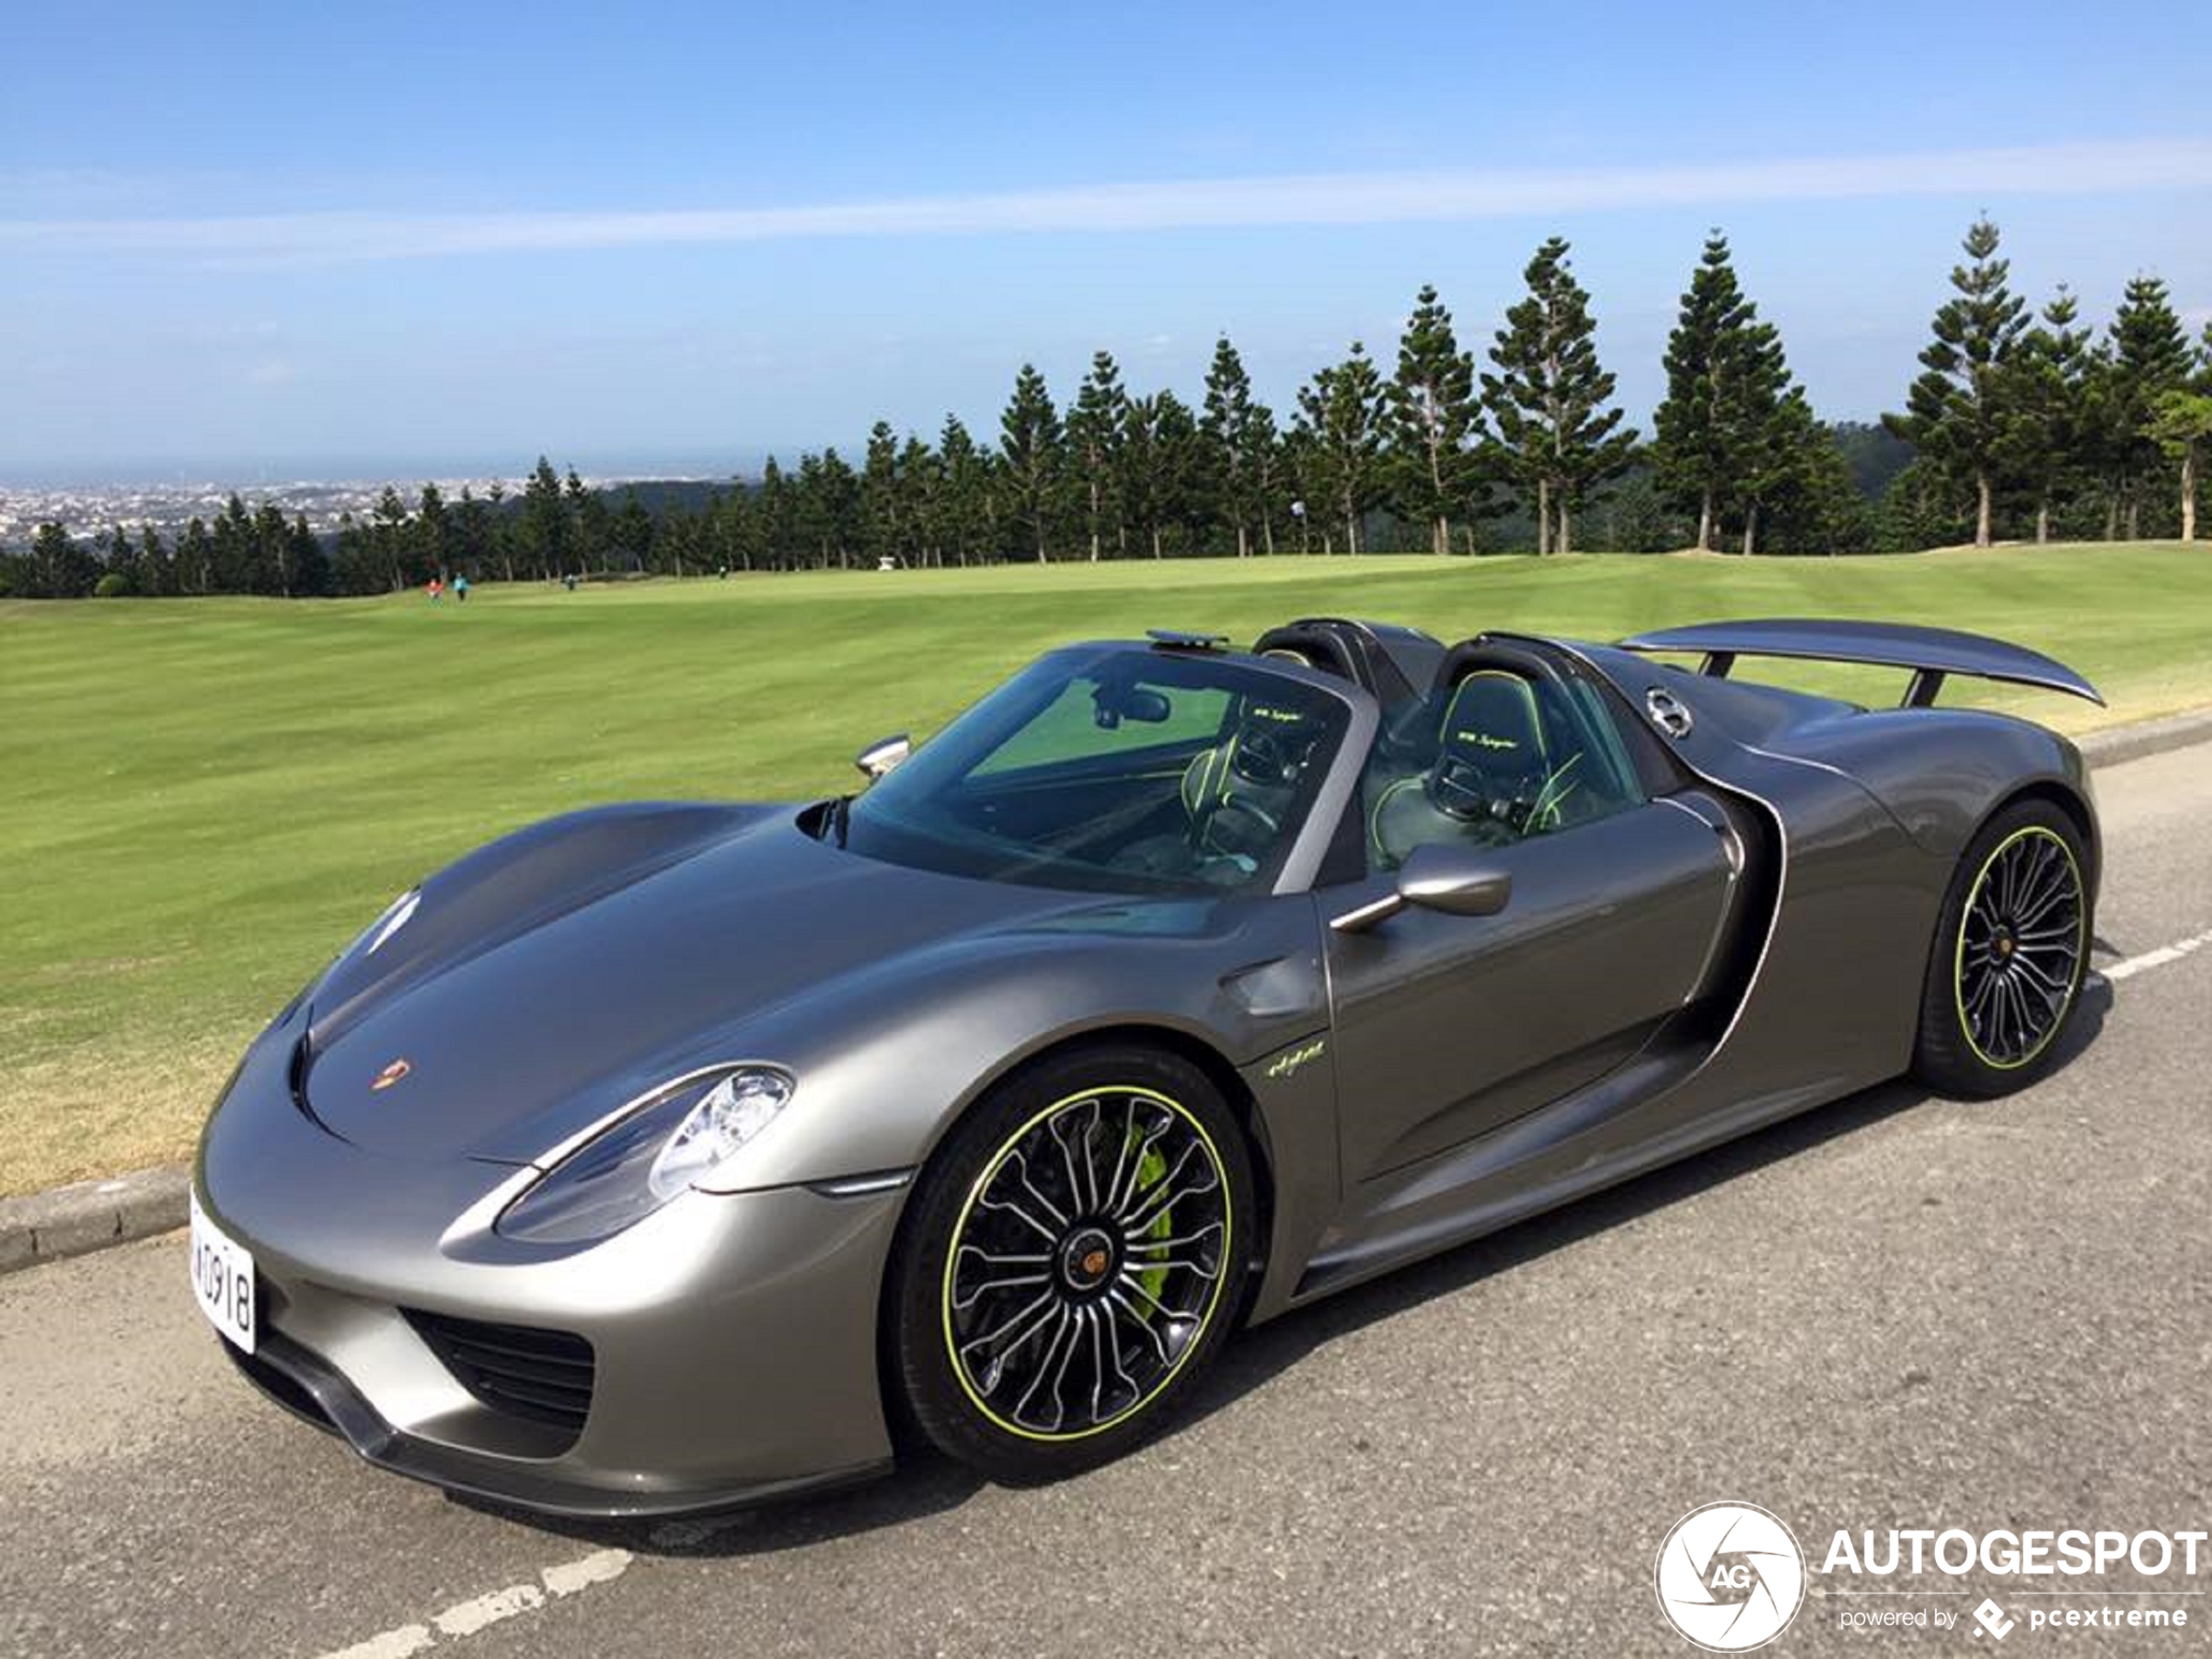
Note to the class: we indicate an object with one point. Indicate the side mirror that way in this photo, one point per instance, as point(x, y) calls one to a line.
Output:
point(883, 755)
point(1457, 880)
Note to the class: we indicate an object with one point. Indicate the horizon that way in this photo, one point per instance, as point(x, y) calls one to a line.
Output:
point(426, 269)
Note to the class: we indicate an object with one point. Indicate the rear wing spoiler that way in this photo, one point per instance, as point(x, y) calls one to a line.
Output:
point(1931, 653)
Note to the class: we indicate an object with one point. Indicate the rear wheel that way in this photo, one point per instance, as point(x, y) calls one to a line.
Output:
point(1071, 1262)
point(2010, 955)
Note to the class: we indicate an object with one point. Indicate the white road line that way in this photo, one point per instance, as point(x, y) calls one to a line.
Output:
point(2158, 958)
point(464, 1619)
point(601, 1567)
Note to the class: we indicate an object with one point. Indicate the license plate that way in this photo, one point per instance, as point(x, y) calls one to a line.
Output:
point(222, 1278)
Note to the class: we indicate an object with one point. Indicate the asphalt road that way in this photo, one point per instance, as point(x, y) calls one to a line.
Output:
point(1893, 1312)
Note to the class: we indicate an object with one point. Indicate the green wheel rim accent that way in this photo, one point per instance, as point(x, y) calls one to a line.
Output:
point(2022, 945)
point(1089, 1258)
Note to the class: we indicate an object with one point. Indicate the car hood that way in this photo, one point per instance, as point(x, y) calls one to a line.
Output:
point(551, 1008)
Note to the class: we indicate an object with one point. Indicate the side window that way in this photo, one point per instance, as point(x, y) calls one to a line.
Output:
point(1498, 757)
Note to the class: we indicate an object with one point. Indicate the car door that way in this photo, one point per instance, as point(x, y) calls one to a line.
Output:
point(1447, 1026)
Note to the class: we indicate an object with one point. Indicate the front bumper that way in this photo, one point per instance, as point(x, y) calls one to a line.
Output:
point(733, 1337)
point(309, 1387)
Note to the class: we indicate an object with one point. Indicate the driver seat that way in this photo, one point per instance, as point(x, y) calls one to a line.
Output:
point(1247, 770)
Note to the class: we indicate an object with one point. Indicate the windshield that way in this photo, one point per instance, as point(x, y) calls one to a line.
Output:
point(1115, 769)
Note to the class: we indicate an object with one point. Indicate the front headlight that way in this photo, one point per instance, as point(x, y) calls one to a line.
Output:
point(674, 1138)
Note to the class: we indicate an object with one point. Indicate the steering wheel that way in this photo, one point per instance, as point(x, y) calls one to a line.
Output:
point(1270, 756)
point(1235, 828)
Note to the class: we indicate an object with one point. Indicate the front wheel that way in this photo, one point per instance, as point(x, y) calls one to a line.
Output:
point(2011, 951)
point(1070, 1262)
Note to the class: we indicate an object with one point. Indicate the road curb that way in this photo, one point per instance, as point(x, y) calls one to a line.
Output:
point(2123, 742)
point(91, 1215)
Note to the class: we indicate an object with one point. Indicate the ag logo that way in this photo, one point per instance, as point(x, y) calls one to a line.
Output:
point(1731, 1577)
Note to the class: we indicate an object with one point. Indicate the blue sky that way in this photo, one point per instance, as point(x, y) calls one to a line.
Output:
point(290, 237)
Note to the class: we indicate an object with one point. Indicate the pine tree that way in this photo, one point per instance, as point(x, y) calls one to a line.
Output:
point(1828, 513)
point(778, 515)
point(1434, 424)
point(547, 535)
point(813, 520)
point(1340, 416)
point(882, 533)
point(964, 522)
point(841, 494)
point(157, 563)
point(1029, 444)
point(1956, 412)
point(1185, 501)
point(273, 571)
point(387, 537)
point(196, 558)
point(1555, 435)
point(60, 569)
point(499, 530)
point(920, 481)
point(1803, 498)
point(1163, 474)
point(588, 518)
point(2047, 432)
point(118, 560)
point(1775, 439)
point(2149, 358)
point(1097, 426)
point(233, 543)
point(472, 531)
point(825, 509)
point(632, 534)
point(1233, 434)
point(310, 559)
point(733, 535)
point(432, 532)
point(2181, 424)
point(1269, 470)
point(1721, 426)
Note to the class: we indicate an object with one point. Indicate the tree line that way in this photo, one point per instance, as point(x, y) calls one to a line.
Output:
point(2018, 423)
point(2031, 420)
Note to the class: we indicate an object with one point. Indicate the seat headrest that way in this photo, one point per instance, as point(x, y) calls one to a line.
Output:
point(1491, 721)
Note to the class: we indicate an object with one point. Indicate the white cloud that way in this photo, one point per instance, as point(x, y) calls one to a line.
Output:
point(1300, 200)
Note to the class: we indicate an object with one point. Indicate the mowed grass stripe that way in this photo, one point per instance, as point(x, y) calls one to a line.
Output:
point(203, 799)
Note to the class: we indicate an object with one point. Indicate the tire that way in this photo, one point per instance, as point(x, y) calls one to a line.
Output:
point(2011, 947)
point(1070, 1262)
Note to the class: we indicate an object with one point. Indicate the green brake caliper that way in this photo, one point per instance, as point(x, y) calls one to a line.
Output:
point(1151, 1169)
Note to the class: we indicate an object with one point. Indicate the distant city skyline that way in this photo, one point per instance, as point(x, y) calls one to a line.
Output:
point(262, 247)
point(250, 472)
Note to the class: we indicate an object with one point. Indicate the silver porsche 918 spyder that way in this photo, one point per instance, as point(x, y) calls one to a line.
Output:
point(664, 1157)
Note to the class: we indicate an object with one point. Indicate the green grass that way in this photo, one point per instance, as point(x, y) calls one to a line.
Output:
point(200, 799)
